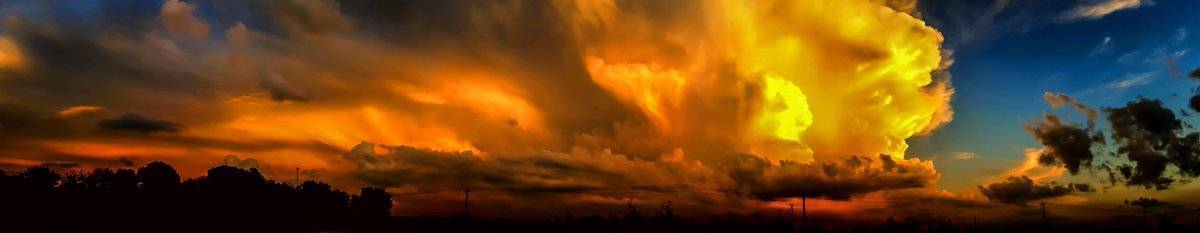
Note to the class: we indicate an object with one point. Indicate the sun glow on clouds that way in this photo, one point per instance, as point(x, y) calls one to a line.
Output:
point(751, 93)
point(10, 54)
point(831, 74)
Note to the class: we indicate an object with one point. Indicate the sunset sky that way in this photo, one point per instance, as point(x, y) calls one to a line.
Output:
point(541, 106)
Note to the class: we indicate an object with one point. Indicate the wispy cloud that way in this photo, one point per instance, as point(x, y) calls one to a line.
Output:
point(1098, 9)
point(1131, 80)
point(1102, 48)
point(1128, 81)
point(964, 156)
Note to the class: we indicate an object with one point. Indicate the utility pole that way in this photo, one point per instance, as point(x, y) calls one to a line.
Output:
point(466, 204)
point(1044, 222)
point(297, 176)
point(804, 210)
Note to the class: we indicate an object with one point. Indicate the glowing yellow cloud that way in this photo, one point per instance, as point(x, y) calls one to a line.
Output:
point(834, 78)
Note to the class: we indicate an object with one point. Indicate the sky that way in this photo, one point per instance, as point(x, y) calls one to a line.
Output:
point(1018, 50)
point(864, 105)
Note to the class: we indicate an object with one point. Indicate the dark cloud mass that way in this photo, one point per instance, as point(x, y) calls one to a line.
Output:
point(137, 123)
point(583, 171)
point(280, 90)
point(835, 180)
point(1022, 190)
point(1143, 121)
point(1146, 133)
point(1066, 144)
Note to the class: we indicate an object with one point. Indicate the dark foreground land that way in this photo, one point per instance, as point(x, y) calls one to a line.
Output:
point(154, 199)
point(751, 223)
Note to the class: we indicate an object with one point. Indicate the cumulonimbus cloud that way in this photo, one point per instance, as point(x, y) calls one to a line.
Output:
point(519, 97)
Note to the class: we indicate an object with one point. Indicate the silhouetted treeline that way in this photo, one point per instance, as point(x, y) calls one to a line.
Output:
point(154, 199)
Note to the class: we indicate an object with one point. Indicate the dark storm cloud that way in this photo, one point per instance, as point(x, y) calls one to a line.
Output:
point(534, 173)
point(18, 122)
point(281, 18)
point(138, 123)
point(1146, 133)
point(1184, 153)
point(1066, 144)
point(1022, 190)
point(24, 131)
point(581, 172)
point(835, 180)
point(1143, 121)
point(280, 90)
point(74, 62)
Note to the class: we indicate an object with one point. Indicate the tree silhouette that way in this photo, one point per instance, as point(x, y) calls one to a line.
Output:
point(372, 203)
point(152, 199)
point(158, 177)
point(39, 179)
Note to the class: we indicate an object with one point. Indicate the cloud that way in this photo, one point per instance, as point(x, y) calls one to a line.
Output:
point(835, 180)
point(1132, 80)
point(78, 110)
point(177, 18)
point(280, 90)
point(579, 172)
point(964, 156)
point(1032, 168)
point(1060, 99)
point(598, 172)
point(1149, 135)
point(1102, 48)
point(138, 123)
point(672, 91)
point(1022, 190)
point(1095, 9)
point(245, 164)
point(11, 56)
point(1066, 144)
